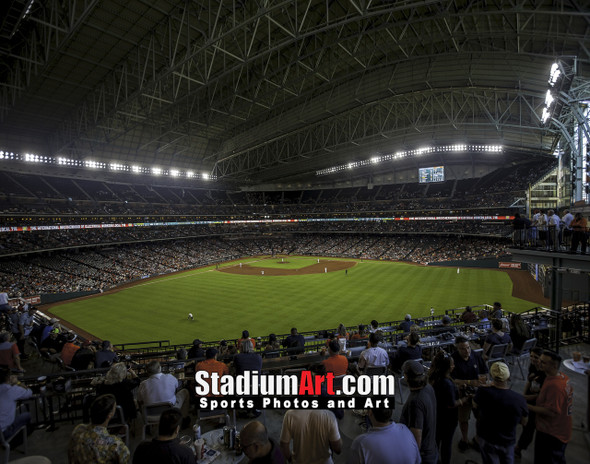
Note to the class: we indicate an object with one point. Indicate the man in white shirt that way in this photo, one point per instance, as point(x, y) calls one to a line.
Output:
point(4, 305)
point(553, 222)
point(161, 388)
point(315, 436)
point(566, 222)
point(373, 356)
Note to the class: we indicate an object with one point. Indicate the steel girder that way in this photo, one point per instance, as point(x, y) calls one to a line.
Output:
point(214, 72)
point(48, 29)
point(488, 116)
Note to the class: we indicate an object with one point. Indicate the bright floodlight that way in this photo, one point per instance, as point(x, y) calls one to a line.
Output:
point(156, 171)
point(375, 159)
point(546, 115)
point(135, 169)
point(174, 172)
point(549, 99)
point(205, 176)
point(190, 174)
point(554, 74)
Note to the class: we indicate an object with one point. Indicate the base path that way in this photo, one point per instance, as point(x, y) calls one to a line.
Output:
point(318, 268)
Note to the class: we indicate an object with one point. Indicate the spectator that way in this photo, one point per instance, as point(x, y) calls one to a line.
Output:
point(497, 337)
point(9, 354)
point(165, 448)
point(211, 365)
point(84, 357)
point(341, 332)
point(336, 363)
point(12, 391)
point(258, 447)
point(314, 434)
point(295, 342)
point(500, 411)
point(533, 385)
point(373, 356)
point(5, 306)
point(272, 347)
point(470, 371)
point(447, 403)
point(419, 411)
point(105, 357)
point(196, 350)
point(579, 233)
point(120, 382)
point(374, 326)
point(360, 334)
point(249, 361)
point(245, 336)
point(497, 311)
point(406, 324)
point(445, 327)
point(519, 332)
point(385, 442)
point(92, 442)
point(404, 353)
point(468, 316)
point(554, 412)
point(69, 349)
point(161, 388)
point(25, 324)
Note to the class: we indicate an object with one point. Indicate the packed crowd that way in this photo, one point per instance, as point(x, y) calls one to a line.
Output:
point(102, 268)
point(441, 397)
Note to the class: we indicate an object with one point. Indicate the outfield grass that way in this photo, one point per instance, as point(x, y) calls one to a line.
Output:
point(224, 304)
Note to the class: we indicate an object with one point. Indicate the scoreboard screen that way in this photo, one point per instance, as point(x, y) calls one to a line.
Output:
point(433, 174)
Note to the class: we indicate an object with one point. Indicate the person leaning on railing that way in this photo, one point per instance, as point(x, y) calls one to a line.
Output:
point(580, 233)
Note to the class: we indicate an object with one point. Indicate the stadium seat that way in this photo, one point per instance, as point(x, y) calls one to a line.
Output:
point(5, 443)
point(151, 415)
point(118, 423)
point(497, 353)
point(524, 353)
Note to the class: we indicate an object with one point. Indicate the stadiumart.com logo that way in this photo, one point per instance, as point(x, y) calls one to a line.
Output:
point(253, 390)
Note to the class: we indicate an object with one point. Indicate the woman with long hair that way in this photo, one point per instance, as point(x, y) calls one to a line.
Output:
point(519, 331)
point(120, 382)
point(447, 403)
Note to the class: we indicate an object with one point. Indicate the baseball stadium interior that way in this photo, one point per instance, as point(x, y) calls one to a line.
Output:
point(141, 140)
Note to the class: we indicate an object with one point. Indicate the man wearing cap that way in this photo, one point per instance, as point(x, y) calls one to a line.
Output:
point(384, 442)
point(69, 349)
point(294, 342)
point(445, 326)
point(211, 365)
point(407, 323)
point(25, 326)
point(419, 411)
point(468, 369)
point(500, 411)
point(106, 356)
point(196, 350)
point(554, 412)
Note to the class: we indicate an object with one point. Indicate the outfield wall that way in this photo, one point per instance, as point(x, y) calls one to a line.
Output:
point(487, 263)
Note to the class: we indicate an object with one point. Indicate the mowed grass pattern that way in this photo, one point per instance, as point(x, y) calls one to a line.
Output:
point(225, 304)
